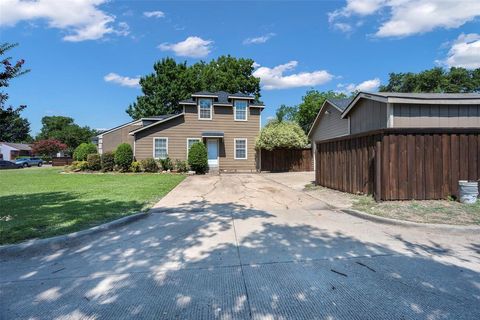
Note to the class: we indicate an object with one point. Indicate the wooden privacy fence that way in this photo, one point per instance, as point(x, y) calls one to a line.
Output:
point(400, 164)
point(61, 161)
point(290, 160)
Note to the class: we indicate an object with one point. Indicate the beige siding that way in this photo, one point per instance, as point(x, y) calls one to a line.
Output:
point(112, 139)
point(330, 125)
point(446, 115)
point(188, 126)
point(368, 115)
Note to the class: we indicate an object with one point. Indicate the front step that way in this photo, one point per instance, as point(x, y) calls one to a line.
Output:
point(213, 170)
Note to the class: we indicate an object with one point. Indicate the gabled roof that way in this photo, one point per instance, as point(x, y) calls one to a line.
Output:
point(18, 146)
point(417, 98)
point(152, 118)
point(339, 104)
point(167, 118)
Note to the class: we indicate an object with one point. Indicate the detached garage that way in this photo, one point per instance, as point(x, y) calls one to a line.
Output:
point(401, 146)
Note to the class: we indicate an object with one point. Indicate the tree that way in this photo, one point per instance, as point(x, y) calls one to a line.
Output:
point(285, 134)
point(65, 130)
point(171, 82)
point(13, 127)
point(48, 147)
point(286, 113)
point(455, 80)
point(311, 104)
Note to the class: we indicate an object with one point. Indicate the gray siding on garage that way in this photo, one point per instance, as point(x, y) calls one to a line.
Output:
point(368, 115)
point(329, 125)
point(428, 116)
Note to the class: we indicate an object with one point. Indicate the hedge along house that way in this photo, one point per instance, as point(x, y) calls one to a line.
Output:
point(226, 123)
point(400, 145)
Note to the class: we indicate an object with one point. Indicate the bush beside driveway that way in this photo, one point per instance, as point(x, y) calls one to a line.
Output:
point(41, 203)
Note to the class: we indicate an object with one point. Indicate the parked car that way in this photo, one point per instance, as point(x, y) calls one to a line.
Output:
point(28, 162)
point(4, 164)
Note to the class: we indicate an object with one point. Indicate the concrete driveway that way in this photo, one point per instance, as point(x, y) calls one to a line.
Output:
point(248, 247)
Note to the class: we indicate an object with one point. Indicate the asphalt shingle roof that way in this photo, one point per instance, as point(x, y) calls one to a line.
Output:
point(341, 103)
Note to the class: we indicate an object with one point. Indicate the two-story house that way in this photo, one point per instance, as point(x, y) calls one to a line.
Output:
point(226, 123)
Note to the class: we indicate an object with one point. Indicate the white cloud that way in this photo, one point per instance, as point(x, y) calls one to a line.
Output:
point(259, 40)
point(81, 19)
point(408, 17)
point(344, 27)
point(365, 86)
point(121, 80)
point(194, 47)
point(154, 14)
point(274, 78)
point(464, 52)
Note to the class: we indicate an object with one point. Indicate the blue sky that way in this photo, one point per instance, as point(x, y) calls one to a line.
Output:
point(86, 56)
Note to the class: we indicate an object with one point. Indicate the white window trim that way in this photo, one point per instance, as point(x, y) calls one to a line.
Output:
point(235, 149)
point(154, 139)
point(235, 111)
point(211, 109)
point(188, 139)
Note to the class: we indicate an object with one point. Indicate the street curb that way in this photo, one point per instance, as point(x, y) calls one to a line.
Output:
point(409, 224)
point(36, 246)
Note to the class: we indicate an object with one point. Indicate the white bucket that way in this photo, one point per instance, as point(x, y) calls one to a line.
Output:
point(468, 191)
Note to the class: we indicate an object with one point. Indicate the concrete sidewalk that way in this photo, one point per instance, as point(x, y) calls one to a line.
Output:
point(247, 247)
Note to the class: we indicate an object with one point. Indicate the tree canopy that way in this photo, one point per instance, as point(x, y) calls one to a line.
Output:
point(304, 113)
point(65, 130)
point(13, 128)
point(171, 82)
point(285, 134)
point(455, 80)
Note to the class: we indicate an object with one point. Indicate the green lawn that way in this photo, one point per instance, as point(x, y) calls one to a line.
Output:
point(40, 203)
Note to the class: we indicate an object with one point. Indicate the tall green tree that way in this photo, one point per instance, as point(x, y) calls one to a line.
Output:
point(311, 103)
point(171, 82)
point(13, 128)
point(454, 80)
point(65, 130)
point(286, 113)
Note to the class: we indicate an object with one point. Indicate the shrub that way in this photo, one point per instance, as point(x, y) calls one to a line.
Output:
point(124, 156)
point(149, 165)
point(108, 161)
point(94, 162)
point(166, 163)
point(181, 166)
point(83, 150)
point(135, 166)
point(197, 158)
point(80, 165)
point(281, 135)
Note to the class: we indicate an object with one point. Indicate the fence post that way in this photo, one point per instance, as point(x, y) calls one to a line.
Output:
point(378, 170)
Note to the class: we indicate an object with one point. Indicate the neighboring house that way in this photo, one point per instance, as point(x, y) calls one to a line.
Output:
point(227, 123)
point(9, 151)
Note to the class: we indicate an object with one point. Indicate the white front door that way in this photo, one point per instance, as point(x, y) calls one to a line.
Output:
point(212, 148)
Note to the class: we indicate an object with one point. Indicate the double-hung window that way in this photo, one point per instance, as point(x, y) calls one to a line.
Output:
point(205, 109)
point(160, 148)
point(240, 149)
point(190, 142)
point(241, 110)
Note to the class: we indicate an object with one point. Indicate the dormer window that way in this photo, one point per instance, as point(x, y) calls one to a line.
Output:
point(240, 110)
point(205, 109)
